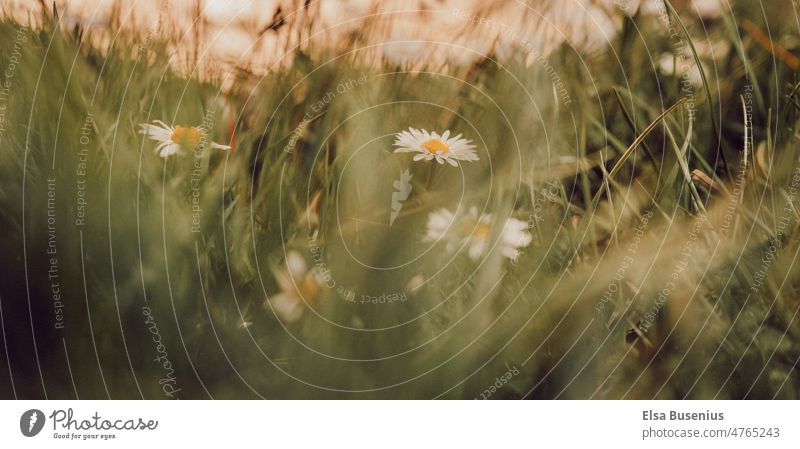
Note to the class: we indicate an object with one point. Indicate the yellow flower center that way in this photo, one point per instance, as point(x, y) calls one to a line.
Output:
point(473, 228)
point(310, 288)
point(187, 137)
point(434, 146)
point(481, 230)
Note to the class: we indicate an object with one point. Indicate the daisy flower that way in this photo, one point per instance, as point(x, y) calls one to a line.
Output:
point(298, 285)
point(475, 230)
point(173, 139)
point(433, 146)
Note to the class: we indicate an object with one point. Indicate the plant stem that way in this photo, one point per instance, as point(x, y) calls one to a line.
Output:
point(429, 178)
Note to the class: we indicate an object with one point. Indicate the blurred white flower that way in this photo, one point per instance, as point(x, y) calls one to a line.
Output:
point(476, 230)
point(298, 285)
point(174, 139)
point(439, 222)
point(416, 282)
point(515, 235)
point(709, 8)
point(705, 9)
point(402, 52)
point(433, 146)
point(469, 50)
point(686, 68)
point(587, 25)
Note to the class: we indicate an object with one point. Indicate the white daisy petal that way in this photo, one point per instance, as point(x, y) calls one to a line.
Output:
point(296, 265)
point(438, 224)
point(161, 146)
point(510, 252)
point(476, 248)
point(297, 287)
point(163, 125)
point(170, 149)
point(284, 280)
point(155, 132)
point(289, 308)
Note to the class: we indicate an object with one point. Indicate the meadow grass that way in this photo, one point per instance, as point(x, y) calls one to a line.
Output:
point(663, 216)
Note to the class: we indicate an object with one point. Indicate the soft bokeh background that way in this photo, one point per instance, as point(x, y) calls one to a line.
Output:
point(662, 250)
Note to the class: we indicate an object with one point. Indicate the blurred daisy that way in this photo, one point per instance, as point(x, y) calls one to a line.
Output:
point(469, 50)
point(439, 223)
point(433, 146)
point(298, 285)
point(173, 139)
point(686, 68)
point(404, 51)
point(476, 230)
point(705, 9)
